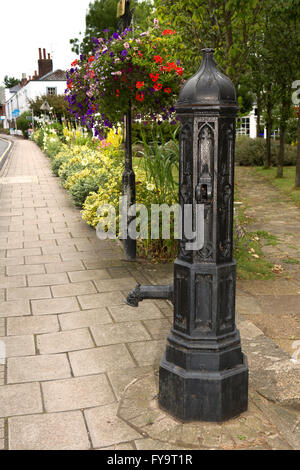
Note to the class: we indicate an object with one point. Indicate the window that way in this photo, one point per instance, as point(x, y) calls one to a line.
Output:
point(243, 126)
point(51, 91)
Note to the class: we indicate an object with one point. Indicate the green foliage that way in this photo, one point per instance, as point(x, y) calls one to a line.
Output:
point(245, 99)
point(252, 152)
point(160, 164)
point(58, 160)
point(82, 188)
point(57, 102)
point(24, 124)
point(102, 14)
point(230, 27)
point(251, 263)
point(153, 131)
point(10, 82)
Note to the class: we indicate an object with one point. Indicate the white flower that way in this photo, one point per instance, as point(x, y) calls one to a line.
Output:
point(150, 186)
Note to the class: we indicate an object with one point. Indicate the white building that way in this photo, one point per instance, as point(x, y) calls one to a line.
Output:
point(247, 125)
point(47, 82)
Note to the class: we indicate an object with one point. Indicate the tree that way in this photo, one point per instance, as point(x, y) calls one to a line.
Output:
point(57, 102)
point(280, 61)
point(23, 123)
point(102, 15)
point(297, 178)
point(10, 82)
point(229, 26)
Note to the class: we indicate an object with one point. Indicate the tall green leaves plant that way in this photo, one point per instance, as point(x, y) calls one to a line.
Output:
point(160, 162)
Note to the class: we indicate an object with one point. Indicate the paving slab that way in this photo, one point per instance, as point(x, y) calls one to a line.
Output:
point(37, 368)
point(106, 428)
point(19, 345)
point(20, 399)
point(99, 360)
point(85, 318)
point(32, 325)
point(52, 431)
point(119, 333)
point(50, 306)
point(15, 308)
point(64, 341)
point(77, 393)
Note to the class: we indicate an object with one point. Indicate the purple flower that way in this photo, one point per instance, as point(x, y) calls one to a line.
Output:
point(124, 53)
point(116, 36)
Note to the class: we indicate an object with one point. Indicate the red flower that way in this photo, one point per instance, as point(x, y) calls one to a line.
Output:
point(117, 92)
point(140, 96)
point(167, 90)
point(92, 73)
point(69, 85)
point(157, 59)
point(140, 84)
point(153, 77)
point(157, 86)
point(171, 66)
point(179, 70)
point(168, 32)
point(140, 54)
point(91, 59)
point(74, 63)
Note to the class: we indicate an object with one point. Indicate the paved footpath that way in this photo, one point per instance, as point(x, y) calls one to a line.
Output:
point(81, 366)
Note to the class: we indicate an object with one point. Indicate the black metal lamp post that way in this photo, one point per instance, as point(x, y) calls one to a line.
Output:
point(204, 374)
point(128, 179)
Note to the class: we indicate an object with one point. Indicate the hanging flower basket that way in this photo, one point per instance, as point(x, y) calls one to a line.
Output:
point(134, 68)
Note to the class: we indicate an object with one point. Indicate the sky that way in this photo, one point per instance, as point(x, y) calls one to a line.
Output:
point(27, 25)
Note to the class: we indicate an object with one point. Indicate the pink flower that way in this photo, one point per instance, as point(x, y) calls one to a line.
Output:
point(156, 22)
point(126, 45)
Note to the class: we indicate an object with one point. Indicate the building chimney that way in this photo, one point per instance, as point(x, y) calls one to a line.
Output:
point(45, 65)
point(24, 80)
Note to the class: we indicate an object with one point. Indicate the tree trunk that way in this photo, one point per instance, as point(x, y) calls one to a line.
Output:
point(283, 120)
point(281, 153)
point(297, 180)
point(269, 131)
point(268, 159)
point(258, 106)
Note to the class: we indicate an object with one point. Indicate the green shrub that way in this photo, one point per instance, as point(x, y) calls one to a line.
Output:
point(153, 132)
point(56, 162)
point(252, 152)
point(40, 138)
point(53, 148)
point(23, 124)
point(82, 188)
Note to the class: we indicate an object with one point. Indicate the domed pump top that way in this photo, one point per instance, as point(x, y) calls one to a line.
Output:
point(208, 87)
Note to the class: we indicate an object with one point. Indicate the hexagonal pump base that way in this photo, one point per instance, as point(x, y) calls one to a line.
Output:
point(203, 395)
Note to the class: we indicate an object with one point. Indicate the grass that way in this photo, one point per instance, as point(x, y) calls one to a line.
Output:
point(291, 261)
point(286, 184)
point(251, 262)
